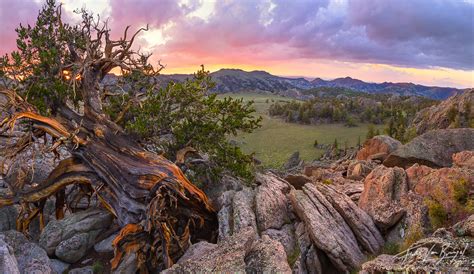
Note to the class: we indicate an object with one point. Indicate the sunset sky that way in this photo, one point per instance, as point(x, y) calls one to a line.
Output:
point(423, 41)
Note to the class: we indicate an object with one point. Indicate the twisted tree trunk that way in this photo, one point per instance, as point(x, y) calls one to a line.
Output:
point(160, 211)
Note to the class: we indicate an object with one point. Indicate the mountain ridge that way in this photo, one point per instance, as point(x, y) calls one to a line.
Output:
point(238, 80)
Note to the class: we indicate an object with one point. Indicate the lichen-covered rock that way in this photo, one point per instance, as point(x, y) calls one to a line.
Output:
point(359, 169)
point(285, 235)
point(415, 173)
point(228, 256)
point(465, 227)
point(464, 159)
point(266, 256)
point(440, 183)
point(327, 228)
point(434, 148)
point(271, 204)
point(361, 224)
point(436, 117)
point(307, 260)
point(376, 145)
point(8, 215)
point(215, 188)
point(243, 215)
point(73, 249)
point(38, 268)
point(197, 250)
point(440, 253)
point(82, 270)
point(128, 264)
point(353, 190)
point(383, 188)
point(58, 266)
point(224, 215)
point(8, 263)
point(64, 233)
point(31, 258)
point(105, 245)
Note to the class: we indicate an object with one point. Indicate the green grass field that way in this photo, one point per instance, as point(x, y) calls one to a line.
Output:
point(276, 140)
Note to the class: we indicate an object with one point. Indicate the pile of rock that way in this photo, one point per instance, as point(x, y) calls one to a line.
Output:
point(332, 218)
point(61, 244)
point(279, 228)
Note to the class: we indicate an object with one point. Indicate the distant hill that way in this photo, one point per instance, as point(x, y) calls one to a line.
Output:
point(236, 80)
point(388, 87)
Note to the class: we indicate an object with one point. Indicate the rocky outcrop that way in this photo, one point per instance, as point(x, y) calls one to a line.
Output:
point(378, 144)
point(308, 260)
point(383, 188)
point(439, 184)
point(352, 190)
point(271, 205)
point(434, 148)
point(214, 189)
point(328, 229)
point(334, 233)
point(242, 211)
point(266, 256)
point(436, 117)
point(197, 250)
point(285, 235)
point(361, 224)
point(398, 200)
point(242, 252)
point(71, 237)
point(227, 256)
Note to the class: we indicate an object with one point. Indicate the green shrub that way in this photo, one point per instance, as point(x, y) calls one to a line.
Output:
point(293, 257)
point(461, 191)
point(327, 181)
point(391, 248)
point(194, 116)
point(436, 212)
point(98, 267)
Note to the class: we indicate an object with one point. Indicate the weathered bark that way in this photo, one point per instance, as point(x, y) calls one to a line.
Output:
point(160, 210)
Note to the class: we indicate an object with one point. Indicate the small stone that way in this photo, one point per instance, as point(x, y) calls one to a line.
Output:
point(105, 245)
point(82, 270)
point(73, 249)
point(59, 266)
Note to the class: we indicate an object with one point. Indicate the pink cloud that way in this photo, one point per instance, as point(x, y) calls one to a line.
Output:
point(12, 13)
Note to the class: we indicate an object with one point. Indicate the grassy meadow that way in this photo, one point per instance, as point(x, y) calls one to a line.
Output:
point(276, 140)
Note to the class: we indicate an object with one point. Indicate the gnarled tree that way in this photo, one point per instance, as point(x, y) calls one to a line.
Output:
point(54, 85)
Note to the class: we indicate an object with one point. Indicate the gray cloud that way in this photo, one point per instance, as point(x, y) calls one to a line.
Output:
point(412, 33)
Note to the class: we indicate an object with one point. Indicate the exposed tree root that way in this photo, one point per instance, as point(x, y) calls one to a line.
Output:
point(160, 211)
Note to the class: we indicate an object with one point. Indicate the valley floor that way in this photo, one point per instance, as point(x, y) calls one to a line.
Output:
point(276, 140)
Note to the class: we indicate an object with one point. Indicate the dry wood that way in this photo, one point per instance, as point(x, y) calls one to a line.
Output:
point(160, 211)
